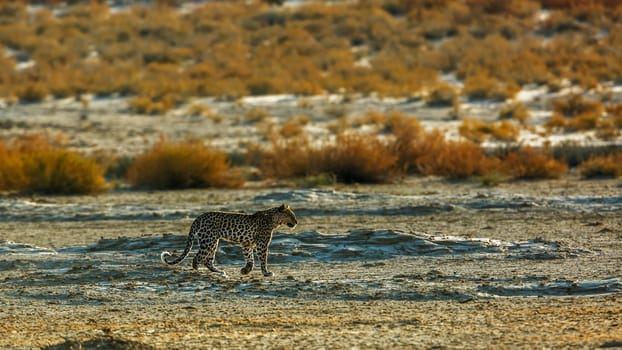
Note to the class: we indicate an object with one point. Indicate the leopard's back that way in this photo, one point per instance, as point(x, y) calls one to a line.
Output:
point(231, 226)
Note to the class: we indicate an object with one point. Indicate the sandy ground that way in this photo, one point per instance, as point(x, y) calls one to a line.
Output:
point(74, 282)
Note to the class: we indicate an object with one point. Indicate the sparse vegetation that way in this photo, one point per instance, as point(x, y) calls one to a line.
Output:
point(161, 56)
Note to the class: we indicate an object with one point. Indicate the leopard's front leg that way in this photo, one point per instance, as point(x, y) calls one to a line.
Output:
point(247, 250)
point(262, 253)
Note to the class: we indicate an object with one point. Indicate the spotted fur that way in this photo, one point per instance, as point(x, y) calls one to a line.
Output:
point(251, 231)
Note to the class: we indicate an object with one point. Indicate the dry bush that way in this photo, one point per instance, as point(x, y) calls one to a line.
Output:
point(350, 158)
point(415, 148)
point(455, 160)
point(189, 164)
point(602, 166)
point(290, 158)
point(529, 163)
point(294, 126)
point(373, 118)
point(483, 86)
point(33, 164)
point(574, 105)
point(442, 95)
point(614, 111)
point(478, 131)
point(516, 111)
point(58, 171)
point(355, 158)
point(574, 113)
point(31, 91)
point(12, 175)
point(256, 115)
point(151, 105)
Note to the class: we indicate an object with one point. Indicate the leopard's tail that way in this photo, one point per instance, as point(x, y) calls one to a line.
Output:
point(183, 255)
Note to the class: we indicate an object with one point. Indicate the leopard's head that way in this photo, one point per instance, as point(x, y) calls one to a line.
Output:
point(284, 215)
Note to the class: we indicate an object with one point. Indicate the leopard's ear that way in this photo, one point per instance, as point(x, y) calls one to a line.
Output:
point(282, 207)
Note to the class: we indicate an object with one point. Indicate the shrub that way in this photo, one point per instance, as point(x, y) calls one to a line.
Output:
point(529, 163)
point(255, 115)
point(574, 105)
point(151, 105)
point(294, 126)
point(482, 86)
point(285, 158)
point(58, 171)
point(516, 111)
point(29, 92)
point(455, 160)
point(602, 166)
point(33, 164)
point(349, 158)
point(182, 165)
point(359, 158)
point(442, 95)
point(12, 175)
point(478, 131)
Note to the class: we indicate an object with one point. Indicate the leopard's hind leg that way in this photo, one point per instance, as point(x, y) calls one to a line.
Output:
point(206, 255)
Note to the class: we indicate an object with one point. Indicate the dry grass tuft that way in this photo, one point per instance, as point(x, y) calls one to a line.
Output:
point(182, 165)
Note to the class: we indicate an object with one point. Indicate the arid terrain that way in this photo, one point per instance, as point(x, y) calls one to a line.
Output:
point(415, 262)
point(426, 263)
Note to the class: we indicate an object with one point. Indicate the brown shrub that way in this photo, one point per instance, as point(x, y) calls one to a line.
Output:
point(483, 86)
point(455, 160)
point(359, 158)
point(478, 131)
point(294, 126)
point(31, 91)
point(349, 158)
point(602, 166)
point(516, 111)
point(58, 171)
point(151, 105)
point(33, 164)
point(286, 158)
point(12, 175)
point(529, 163)
point(182, 165)
point(574, 105)
point(442, 95)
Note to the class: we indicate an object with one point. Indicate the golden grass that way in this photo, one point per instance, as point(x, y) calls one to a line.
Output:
point(182, 165)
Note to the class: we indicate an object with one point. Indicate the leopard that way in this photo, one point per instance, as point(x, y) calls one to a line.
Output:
point(252, 231)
